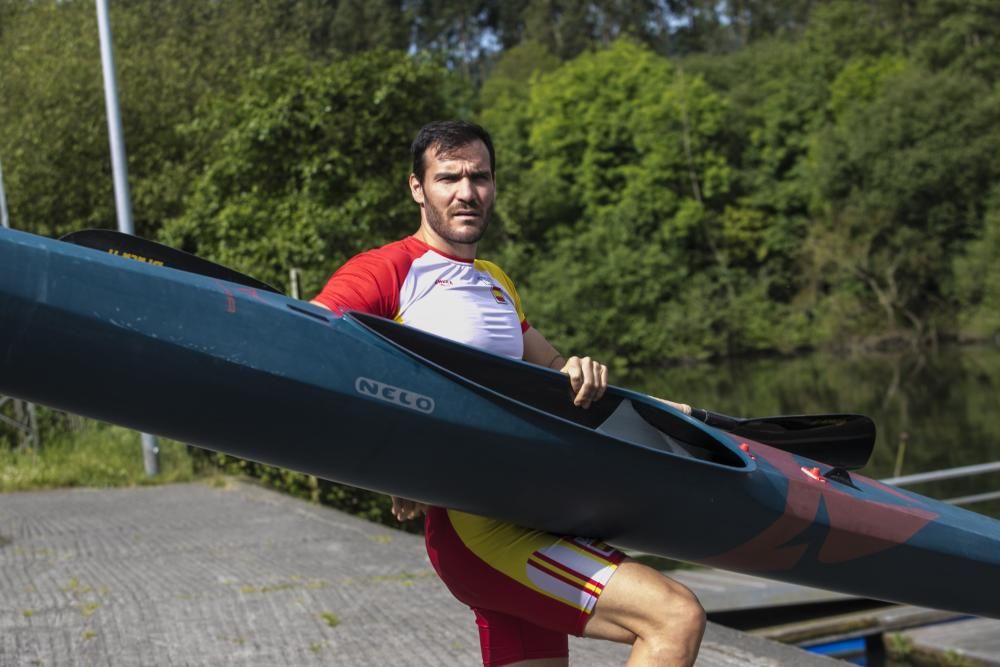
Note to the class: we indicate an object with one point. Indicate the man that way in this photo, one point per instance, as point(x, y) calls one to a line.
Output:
point(433, 281)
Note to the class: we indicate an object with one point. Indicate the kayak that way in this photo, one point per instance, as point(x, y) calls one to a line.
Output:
point(367, 402)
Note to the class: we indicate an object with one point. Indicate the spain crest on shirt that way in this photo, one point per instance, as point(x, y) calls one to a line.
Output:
point(498, 295)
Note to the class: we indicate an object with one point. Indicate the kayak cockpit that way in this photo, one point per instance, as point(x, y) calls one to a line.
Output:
point(615, 416)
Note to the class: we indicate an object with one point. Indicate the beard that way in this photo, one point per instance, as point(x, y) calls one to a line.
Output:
point(459, 231)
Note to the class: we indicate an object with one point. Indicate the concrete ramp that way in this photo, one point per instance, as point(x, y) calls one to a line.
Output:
point(196, 574)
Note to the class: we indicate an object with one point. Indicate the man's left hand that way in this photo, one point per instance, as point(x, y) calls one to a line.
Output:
point(404, 509)
point(588, 378)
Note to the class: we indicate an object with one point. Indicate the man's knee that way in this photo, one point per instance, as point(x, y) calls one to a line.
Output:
point(676, 635)
point(640, 602)
point(681, 609)
point(692, 615)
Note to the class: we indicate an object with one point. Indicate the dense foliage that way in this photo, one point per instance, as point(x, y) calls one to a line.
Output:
point(681, 179)
point(309, 164)
point(678, 179)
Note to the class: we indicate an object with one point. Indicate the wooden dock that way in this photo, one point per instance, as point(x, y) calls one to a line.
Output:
point(969, 643)
point(915, 635)
point(841, 627)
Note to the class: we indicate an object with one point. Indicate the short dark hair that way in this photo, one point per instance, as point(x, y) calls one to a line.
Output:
point(447, 136)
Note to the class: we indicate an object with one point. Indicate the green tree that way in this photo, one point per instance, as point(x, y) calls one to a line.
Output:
point(310, 166)
point(959, 35)
point(977, 278)
point(53, 140)
point(503, 98)
point(365, 25)
point(902, 173)
point(714, 26)
point(620, 204)
point(172, 58)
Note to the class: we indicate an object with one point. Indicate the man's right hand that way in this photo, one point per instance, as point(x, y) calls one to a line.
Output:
point(588, 379)
point(404, 509)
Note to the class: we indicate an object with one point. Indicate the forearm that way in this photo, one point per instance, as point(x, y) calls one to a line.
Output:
point(539, 351)
point(682, 407)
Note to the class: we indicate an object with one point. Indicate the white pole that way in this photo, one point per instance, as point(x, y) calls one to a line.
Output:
point(4, 218)
point(119, 168)
point(950, 473)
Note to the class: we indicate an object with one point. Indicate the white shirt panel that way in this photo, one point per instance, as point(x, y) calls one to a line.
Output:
point(455, 300)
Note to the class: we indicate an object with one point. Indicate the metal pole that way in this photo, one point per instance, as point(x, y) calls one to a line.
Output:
point(977, 498)
point(950, 473)
point(33, 427)
point(4, 218)
point(119, 168)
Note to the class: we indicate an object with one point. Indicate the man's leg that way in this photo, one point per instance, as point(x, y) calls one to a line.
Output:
point(508, 640)
point(565, 585)
point(662, 619)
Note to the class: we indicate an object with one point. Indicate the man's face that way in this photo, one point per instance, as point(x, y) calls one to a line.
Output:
point(457, 192)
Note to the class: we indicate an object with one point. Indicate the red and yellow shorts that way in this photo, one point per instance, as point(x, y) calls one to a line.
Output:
point(528, 589)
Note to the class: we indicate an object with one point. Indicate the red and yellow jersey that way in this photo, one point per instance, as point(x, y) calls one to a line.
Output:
point(528, 588)
point(471, 302)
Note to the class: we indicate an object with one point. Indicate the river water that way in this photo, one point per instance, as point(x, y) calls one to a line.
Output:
point(935, 410)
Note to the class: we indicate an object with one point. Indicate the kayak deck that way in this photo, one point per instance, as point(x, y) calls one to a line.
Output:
point(616, 415)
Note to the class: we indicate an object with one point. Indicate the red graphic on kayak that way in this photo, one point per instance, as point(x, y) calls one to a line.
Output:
point(858, 527)
point(230, 299)
point(250, 292)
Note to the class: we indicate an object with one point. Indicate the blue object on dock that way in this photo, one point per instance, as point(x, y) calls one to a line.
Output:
point(853, 651)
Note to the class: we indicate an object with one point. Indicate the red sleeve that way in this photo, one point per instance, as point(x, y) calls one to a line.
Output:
point(368, 282)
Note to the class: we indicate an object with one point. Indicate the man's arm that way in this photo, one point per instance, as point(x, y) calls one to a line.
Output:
point(588, 378)
point(539, 351)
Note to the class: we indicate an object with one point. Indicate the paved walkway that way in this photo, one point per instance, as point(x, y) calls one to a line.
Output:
point(238, 575)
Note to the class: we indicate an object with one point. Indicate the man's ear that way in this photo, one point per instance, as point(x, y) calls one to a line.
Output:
point(416, 189)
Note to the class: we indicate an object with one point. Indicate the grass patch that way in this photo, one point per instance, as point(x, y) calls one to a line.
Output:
point(898, 646)
point(266, 589)
point(97, 455)
point(330, 619)
point(405, 578)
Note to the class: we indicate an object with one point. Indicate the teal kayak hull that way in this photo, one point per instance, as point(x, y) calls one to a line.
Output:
point(366, 402)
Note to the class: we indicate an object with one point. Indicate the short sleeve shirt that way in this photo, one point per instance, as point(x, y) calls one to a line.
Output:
point(472, 302)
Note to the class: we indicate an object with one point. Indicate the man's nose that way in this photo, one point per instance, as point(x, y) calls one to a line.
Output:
point(465, 190)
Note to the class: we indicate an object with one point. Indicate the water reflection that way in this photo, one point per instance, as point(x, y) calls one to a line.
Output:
point(934, 411)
